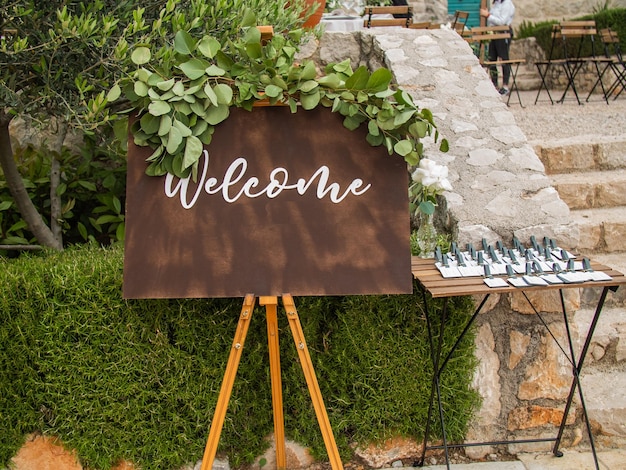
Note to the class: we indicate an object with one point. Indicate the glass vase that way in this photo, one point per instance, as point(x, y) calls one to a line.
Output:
point(426, 236)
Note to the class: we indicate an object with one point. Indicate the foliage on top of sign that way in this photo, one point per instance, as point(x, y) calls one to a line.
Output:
point(181, 97)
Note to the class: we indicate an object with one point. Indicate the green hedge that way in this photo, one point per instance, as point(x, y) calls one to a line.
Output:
point(606, 18)
point(139, 380)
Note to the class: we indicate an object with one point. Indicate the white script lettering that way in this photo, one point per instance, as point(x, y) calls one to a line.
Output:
point(278, 182)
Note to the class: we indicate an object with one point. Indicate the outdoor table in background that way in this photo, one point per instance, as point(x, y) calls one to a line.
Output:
point(342, 23)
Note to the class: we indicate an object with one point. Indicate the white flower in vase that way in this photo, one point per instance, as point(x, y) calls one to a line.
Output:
point(429, 180)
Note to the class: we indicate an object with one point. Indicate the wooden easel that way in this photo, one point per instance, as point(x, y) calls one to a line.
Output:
point(271, 307)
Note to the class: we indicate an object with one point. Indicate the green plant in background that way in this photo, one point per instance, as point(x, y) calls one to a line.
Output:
point(183, 91)
point(92, 185)
point(57, 59)
point(139, 380)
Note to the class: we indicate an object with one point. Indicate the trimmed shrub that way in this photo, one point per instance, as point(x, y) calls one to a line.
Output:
point(139, 380)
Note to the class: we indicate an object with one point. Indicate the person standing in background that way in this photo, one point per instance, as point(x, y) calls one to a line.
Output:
point(501, 13)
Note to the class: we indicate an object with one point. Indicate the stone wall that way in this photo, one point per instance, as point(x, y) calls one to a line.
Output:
point(500, 190)
point(532, 11)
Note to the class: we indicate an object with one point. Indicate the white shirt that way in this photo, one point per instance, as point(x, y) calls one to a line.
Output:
point(501, 13)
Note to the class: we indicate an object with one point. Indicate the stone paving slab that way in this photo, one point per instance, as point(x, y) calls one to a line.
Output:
point(608, 460)
point(614, 459)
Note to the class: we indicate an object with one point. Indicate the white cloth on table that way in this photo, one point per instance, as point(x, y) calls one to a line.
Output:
point(342, 23)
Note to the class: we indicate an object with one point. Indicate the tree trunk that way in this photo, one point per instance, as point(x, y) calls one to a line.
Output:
point(26, 207)
point(55, 180)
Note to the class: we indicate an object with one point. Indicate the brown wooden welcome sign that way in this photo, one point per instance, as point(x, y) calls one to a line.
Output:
point(283, 203)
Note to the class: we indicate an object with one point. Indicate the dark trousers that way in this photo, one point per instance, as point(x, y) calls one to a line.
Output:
point(499, 48)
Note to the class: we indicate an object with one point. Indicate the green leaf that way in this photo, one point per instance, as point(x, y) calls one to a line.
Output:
point(140, 89)
point(164, 125)
point(4, 205)
point(107, 219)
point(141, 55)
point(224, 93)
point(375, 140)
point(179, 88)
point(165, 84)
point(412, 158)
point(114, 93)
point(350, 122)
point(120, 232)
point(193, 150)
point(379, 80)
point(308, 71)
point(403, 147)
point(155, 169)
point(117, 205)
point(143, 75)
point(150, 123)
point(254, 50)
point(156, 155)
point(108, 182)
point(184, 43)
point(217, 114)
point(308, 86)
point(273, 91)
point(200, 127)
point(223, 61)
point(82, 230)
point(419, 129)
point(158, 108)
point(194, 68)
point(310, 101)
point(215, 71)
point(211, 95)
point(184, 130)
point(249, 18)
point(444, 147)
point(336, 105)
point(174, 139)
point(331, 81)
point(209, 46)
point(427, 207)
point(372, 128)
point(402, 117)
point(359, 79)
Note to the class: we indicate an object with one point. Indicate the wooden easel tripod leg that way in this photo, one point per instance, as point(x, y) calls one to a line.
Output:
point(271, 307)
point(227, 384)
point(270, 304)
point(311, 380)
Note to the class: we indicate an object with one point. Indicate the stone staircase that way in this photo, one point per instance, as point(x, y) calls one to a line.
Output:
point(589, 173)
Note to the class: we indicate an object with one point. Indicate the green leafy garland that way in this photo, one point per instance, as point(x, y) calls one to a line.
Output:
point(182, 99)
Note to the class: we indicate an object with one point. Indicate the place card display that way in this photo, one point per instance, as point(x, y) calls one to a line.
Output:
point(538, 264)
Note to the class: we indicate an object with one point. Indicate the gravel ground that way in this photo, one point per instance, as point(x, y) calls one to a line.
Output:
point(544, 122)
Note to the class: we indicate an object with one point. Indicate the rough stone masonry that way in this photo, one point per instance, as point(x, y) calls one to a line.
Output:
point(500, 190)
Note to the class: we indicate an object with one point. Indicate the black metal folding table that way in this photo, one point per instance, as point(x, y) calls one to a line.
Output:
point(434, 285)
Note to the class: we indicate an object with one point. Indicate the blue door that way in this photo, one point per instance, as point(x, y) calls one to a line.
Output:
point(470, 6)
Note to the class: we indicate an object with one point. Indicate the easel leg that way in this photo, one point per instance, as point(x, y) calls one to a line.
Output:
point(227, 384)
point(311, 380)
point(271, 306)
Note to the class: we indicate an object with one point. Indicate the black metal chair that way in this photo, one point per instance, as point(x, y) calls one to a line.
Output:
point(615, 63)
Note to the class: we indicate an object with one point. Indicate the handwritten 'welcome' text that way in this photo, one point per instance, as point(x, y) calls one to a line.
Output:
point(236, 184)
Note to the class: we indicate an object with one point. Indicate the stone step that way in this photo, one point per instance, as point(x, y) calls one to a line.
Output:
point(527, 78)
point(591, 189)
point(615, 299)
point(583, 153)
point(601, 230)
